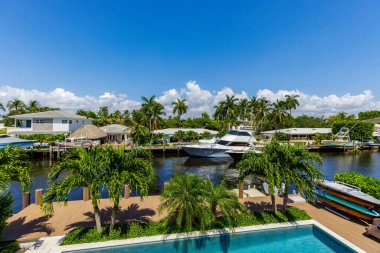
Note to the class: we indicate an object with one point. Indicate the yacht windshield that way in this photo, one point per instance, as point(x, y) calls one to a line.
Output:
point(224, 143)
point(232, 132)
point(244, 134)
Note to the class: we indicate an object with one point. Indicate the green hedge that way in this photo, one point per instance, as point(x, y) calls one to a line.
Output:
point(360, 130)
point(9, 247)
point(369, 185)
point(133, 230)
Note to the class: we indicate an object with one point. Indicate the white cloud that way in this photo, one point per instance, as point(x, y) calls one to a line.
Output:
point(197, 98)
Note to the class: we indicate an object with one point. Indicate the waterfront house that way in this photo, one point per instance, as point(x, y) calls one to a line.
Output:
point(116, 133)
point(49, 122)
point(169, 132)
point(298, 133)
point(376, 133)
point(88, 133)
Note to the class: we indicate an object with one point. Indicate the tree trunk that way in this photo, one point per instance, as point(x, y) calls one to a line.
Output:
point(285, 198)
point(113, 216)
point(97, 218)
point(274, 206)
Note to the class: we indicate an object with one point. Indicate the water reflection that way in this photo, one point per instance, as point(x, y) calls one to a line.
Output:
point(166, 167)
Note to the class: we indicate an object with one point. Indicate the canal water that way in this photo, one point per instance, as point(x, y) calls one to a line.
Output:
point(367, 163)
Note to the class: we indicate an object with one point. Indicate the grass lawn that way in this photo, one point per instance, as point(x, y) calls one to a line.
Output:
point(133, 230)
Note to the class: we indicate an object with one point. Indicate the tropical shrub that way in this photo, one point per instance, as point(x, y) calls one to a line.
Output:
point(46, 138)
point(359, 130)
point(368, 115)
point(5, 210)
point(280, 136)
point(369, 185)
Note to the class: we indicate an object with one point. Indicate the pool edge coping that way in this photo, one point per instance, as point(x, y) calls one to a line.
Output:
point(52, 243)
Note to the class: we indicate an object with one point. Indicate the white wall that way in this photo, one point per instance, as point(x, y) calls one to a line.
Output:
point(77, 123)
point(58, 126)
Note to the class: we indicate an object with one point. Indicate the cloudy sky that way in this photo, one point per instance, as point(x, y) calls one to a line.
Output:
point(83, 54)
point(198, 98)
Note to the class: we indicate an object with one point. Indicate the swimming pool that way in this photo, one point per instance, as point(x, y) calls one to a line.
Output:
point(308, 238)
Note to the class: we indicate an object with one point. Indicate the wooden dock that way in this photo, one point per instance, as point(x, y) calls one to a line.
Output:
point(30, 224)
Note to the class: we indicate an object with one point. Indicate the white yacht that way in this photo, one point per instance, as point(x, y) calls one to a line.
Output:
point(233, 140)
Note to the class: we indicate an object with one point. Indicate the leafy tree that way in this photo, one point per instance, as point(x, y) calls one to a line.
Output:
point(279, 113)
point(16, 106)
point(2, 107)
point(206, 135)
point(133, 168)
point(261, 110)
point(369, 115)
point(139, 131)
point(192, 136)
point(81, 168)
point(280, 136)
point(33, 106)
point(309, 121)
point(184, 199)
point(14, 167)
point(180, 108)
point(103, 112)
point(243, 108)
point(359, 130)
point(179, 135)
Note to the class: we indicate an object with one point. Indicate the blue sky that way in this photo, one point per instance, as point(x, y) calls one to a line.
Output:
point(148, 47)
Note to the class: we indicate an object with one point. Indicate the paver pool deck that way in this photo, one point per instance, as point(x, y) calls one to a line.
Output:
point(30, 224)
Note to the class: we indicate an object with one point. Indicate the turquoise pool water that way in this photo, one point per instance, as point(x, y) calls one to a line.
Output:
point(309, 239)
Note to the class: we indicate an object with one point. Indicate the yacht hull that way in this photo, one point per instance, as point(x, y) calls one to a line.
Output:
point(206, 152)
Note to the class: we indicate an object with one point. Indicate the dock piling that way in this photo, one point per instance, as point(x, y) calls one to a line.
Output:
point(25, 199)
point(241, 190)
point(38, 196)
point(86, 193)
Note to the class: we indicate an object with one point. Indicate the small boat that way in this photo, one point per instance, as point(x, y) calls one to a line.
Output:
point(348, 192)
point(233, 140)
point(6, 141)
point(347, 206)
point(341, 141)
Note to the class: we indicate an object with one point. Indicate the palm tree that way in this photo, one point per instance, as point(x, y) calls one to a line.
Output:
point(33, 106)
point(16, 106)
point(147, 108)
point(180, 107)
point(261, 111)
point(279, 113)
point(192, 136)
point(231, 109)
point(80, 168)
point(133, 168)
point(138, 125)
point(225, 201)
point(300, 169)
point(179, 135)
point(243, 108)
point(184, 198)
point(291, 102)
point(103, 112)
point(261, 166)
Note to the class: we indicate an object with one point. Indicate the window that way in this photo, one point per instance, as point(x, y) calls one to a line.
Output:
point(70, 121)
point(64, 121)
point(39, 121)
point(77, 121)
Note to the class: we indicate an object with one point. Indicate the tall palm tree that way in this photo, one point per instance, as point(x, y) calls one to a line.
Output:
point(33, 106)
point(262, 109)
point(291, 102)
point(79, 168)
point(16, 106)
point(279, 113)
point(147, 108)
point(138, 122)
point(243, 108)
point(185, 199)
point(133, 168)
point(180, 107)
point(103, 112)
point(231, 109)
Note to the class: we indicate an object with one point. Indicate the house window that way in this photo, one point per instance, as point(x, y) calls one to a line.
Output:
point(39, 121)
point(77, 121)
point(70, 121)
point(64, 121)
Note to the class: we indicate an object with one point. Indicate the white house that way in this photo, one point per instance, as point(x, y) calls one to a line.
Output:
point(376, 133)
point(49, 122)
point(299, 133)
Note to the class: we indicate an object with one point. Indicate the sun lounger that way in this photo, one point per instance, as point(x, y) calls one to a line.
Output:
point(374, 229)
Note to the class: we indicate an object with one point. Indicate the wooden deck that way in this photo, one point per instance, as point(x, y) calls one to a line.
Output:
point(30, 224)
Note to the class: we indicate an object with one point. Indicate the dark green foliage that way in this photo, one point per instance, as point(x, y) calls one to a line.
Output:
point(133, 230)
point(280, 136)
point(359, 130)
point(368, 115)
point(9, 247)
point(369, 185)
point(5, 210)
point(309, 121)
point(46, 138)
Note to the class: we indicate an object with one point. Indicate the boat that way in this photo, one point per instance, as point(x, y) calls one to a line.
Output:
point(348, 192)
point(237, 154)
point(6, 141)
point(346, 206)
point(233, 140)
point(341, 141)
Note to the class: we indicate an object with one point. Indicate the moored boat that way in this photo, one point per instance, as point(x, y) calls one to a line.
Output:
point(349, 192)
point(347, 206)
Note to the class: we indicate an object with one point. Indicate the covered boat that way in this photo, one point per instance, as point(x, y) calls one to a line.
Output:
point(349, 192)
